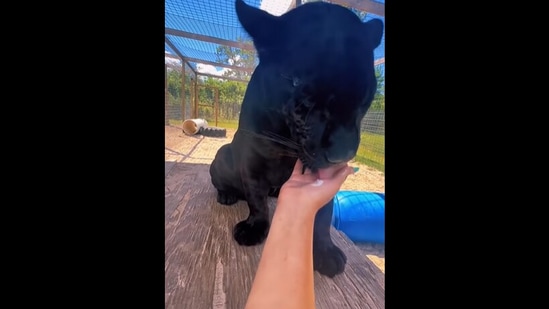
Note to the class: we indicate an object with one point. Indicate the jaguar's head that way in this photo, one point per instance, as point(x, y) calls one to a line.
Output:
point(322, 55)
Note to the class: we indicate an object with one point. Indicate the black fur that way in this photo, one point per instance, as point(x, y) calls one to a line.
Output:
point(306, 99)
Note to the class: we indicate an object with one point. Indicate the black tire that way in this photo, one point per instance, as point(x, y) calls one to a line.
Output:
point(214, 132)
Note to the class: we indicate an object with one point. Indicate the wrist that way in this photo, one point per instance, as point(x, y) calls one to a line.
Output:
point(298, 210)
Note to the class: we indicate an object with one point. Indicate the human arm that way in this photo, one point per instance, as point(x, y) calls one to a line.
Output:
point(284, 277)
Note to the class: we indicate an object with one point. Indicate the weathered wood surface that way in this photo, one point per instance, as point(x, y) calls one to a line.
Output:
point(206, 268)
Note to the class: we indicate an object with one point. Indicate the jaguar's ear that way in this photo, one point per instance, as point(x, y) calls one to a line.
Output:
point(374, 32)
point(263, 27)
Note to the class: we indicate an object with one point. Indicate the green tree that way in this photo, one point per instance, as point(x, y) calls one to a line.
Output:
point(231, 94)
point(237, 57)
point(379, 98)
point(174, 85)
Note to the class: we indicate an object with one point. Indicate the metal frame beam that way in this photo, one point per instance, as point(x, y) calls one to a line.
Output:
point(170, 44)
point(175, 67)
point(224, 77)
point(379, 61)
point(217, 64)
point(210, 39)
point(369, 6)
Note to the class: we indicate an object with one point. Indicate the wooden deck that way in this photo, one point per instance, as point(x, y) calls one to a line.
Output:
point(205, 268)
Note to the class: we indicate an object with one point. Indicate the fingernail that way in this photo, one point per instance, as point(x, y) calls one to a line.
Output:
point(355, 170)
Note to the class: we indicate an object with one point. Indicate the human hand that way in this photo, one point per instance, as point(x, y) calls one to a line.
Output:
point(313, 190)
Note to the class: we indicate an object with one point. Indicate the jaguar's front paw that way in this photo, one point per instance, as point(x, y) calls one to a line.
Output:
point(251, 232)
point(226, 198)
point(329, 260)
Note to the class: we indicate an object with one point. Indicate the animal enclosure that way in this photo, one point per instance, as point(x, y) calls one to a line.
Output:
point(206, 49)
point(209, 60)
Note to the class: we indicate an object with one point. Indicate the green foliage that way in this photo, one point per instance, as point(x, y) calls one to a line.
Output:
point(228, 124)
point(371, 150)
point(230, 93)
point(379, 98)
point(174, 83)
point(174, 86)
point(237, 57)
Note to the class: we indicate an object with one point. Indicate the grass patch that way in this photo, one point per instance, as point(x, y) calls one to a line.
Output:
point(175, 122)
point(371, 151)
point(227, 124)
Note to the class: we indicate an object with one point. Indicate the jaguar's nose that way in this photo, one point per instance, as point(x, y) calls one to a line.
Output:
point(339, 157)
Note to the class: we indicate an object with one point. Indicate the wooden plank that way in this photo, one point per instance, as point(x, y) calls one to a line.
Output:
point(175, 49)
point(210, 39)
point(178, 53)
point(175, 67)
point(361, 286)
point(369, 6)
point(217, 64)
point(379, 61)
point(224, 77)
point(222, 65)
point(205, 268)
point(167, 167)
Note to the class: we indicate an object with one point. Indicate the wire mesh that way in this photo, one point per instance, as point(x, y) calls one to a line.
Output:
point(217, 18)
point(178, 105)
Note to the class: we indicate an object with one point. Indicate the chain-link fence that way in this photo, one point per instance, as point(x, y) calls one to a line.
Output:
point(177, 109)
point(371, 150)
point(372, 143)
point(215, 102)
point(219, 106)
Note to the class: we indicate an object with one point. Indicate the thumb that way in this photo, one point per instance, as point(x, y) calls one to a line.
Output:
point(344, 173)
point(341, 175)
point(332, 184)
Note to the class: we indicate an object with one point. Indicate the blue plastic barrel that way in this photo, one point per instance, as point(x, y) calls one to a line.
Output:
point(360, 215)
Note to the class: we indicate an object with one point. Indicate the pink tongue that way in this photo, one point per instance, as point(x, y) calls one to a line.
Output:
point(325, 173)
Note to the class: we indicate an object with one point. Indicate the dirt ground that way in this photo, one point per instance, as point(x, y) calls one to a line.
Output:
point(200, 149)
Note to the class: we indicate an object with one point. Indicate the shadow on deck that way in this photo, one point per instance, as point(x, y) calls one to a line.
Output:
point(205, 268)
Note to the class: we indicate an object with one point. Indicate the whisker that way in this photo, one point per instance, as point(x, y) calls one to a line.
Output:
point(281, 138)
point(274, 138)
point(288, 154)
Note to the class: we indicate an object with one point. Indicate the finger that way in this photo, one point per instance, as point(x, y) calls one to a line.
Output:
point(331, 172)
point(341, 175)
point(348, 170)
point(298, 168)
